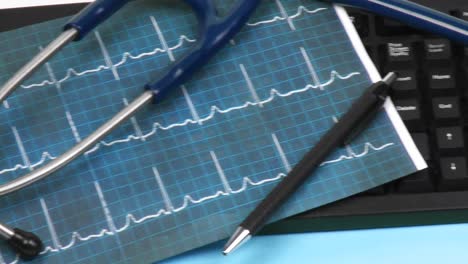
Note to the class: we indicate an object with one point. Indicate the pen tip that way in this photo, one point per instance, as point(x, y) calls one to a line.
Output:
point(240, 236)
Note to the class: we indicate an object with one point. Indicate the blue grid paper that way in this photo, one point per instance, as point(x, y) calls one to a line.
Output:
point(183, 173)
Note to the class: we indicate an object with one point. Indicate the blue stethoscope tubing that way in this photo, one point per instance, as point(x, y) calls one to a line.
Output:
point(415, 15)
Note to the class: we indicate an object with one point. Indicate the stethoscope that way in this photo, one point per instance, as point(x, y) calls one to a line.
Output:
point(214, 33)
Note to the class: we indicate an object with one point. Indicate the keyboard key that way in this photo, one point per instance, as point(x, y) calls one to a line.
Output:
point(453, 168)
point(446, 107)
point(437, 49)
point(389, 27)
point(463, 14)
point(441, 79)
point(406, 81)
point(453, 173)
point(422, 142)
point(416, 182)
point(399, 51)
point(409, 110)
point(449, 137)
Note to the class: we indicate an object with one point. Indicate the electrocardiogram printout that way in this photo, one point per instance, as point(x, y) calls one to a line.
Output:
point(184, 173)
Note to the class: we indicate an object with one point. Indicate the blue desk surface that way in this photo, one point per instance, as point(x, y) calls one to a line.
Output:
point(428, 244)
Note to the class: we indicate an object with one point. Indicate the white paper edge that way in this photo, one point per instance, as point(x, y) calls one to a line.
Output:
point(374, 75)
point(30, 3)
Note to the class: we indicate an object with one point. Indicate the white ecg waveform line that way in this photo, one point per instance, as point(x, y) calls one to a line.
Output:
point(213, 112)
point(125, 57)
point(45, 156)
point(250, 85)
point(162, 39)
point(73, 127)
point(52, 231)
point(285, 15)
point(222, 176)
point(192, 108)
point(300, 11)
point(280, 150)
point(105, 208)
point(106, 55)
point(164, 194)
point(311, 69)
point(135, 124)
point(52, 77)
point(165, 49)
point(187, 200)
point(216, 110)
point(24, 154)
point(353, 155)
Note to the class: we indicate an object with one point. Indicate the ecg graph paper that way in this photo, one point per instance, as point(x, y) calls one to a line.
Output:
point(183, 173)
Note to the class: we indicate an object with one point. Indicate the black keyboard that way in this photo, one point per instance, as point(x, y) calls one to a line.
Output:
point(431, 95)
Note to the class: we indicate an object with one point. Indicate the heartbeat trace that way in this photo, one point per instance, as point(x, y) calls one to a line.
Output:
point(284, 16)
point(216, 110)
point(165, 49)
point(200, 121)
point(188, 199)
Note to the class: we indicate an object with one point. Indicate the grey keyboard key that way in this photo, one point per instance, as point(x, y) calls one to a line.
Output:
point(453, 173)
point(437, 49)
point(463, 14)
point(453, 168)
point(441, 79)
point(399, 51)
point(409, 110)
point(446, 107)
point(406, 81)
point(450, 137)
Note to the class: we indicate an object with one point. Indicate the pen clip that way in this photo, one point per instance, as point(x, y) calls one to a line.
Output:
point(381, 91)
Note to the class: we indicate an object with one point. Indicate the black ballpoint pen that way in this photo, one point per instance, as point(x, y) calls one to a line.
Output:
point(363, 110)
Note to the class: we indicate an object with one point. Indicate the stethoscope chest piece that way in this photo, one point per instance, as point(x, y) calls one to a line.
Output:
point(27, 245)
